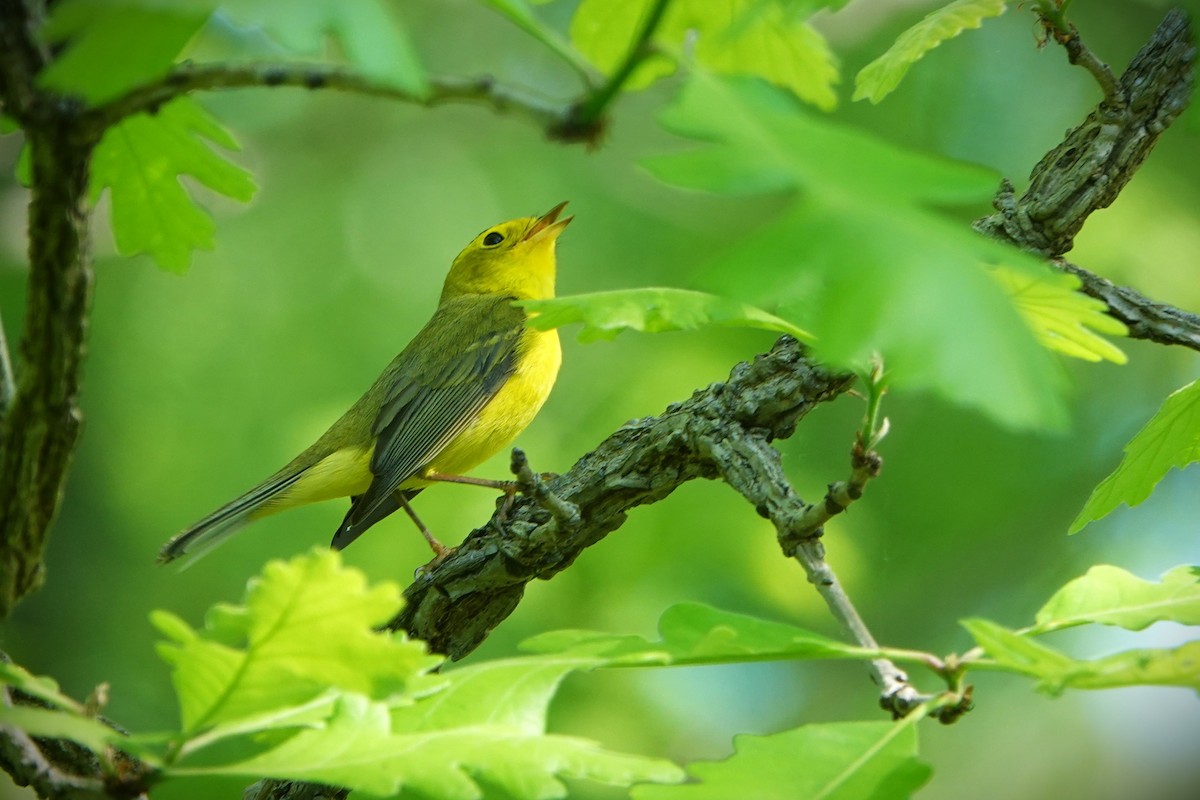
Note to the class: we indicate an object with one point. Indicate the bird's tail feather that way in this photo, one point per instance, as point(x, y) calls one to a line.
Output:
point(218, 526)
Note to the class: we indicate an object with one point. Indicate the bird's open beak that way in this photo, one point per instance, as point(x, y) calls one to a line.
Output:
point(549, 225)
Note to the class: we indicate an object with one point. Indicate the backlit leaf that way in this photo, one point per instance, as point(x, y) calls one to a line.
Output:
point(1170, 439)
point(879, 78)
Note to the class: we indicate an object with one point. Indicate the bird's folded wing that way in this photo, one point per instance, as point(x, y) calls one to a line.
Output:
point(429, 404)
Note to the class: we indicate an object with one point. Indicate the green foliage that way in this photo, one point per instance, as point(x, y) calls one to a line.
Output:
point(307, 624)
point(1064, 320)
point(1170, 439)
point(1111, 596)
point(367, 32)
point(841, 760)
point(880, 78)
point(651, 310)
point(1056, 671)
point(140, 162)
point(693, 633)
point(910, 289)
point(521, 14)
point(732, 37)
point(299, 683)
point(115, 45)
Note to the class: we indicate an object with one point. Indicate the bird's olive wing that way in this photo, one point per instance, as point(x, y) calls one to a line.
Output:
point(433, 397)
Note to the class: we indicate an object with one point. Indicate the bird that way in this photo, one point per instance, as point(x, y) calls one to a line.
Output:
point(466, 385)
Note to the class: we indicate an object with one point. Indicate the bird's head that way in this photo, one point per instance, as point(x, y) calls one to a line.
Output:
point(513, 258)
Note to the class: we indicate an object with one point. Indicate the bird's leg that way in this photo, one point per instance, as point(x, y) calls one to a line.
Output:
point(440, 551)
point(510, 488)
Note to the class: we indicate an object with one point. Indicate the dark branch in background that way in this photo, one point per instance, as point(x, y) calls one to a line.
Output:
point(1095, 161)
point(189, 78)
point(40, 428)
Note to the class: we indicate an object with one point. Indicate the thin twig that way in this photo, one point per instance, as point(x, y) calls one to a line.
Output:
point(188, 78)
point(1065, 33)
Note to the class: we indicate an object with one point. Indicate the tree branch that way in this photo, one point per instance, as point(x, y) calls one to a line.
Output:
point(459, 601)
point(189, 78)
point(1145, 318)
point(1089, 168)
point(40, 429)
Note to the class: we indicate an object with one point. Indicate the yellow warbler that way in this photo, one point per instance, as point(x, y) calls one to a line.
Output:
point(463, 388)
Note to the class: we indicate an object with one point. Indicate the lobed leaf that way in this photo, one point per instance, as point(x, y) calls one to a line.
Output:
point(880, 78)
point(693, 633)
point(358, 747)
point(651, 310)
point(1111, 596)
point(843, 760)
point(770, 40)
point(113, 45)
point(861, 256)
point(1062, 318)
point(1170, 439)
point(140, 162)
point(306, 626)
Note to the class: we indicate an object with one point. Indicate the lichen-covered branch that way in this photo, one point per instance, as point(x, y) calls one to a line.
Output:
point(455, 604)
point(1093, 163)
point(40, 427)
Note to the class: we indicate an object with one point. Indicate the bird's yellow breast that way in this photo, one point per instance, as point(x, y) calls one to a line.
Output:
point(509, 412)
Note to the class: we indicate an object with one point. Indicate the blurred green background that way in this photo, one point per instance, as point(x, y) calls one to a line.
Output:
point(199, 386)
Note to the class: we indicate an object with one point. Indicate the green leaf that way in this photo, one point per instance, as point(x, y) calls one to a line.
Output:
point(360, 749)
point(879, 78)
point(40, 686)
point(520, 13)
point(732, 37)
point(1017, 653)
point(1179, 666)
point(1111, 596)
point(368, 32)
point(862, 256)
point(140, 162)
point(1056, 671)
point(1063, 319)
point(1170, 439)
point(52, 724)
point(113, 46)
point(843, 760)
point(651, 310)
point(307, 624)
point(693, 633)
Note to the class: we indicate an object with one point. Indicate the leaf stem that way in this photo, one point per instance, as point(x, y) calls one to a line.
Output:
point(586, 114)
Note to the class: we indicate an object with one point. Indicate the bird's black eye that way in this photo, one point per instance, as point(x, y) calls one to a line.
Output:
point(492, 239)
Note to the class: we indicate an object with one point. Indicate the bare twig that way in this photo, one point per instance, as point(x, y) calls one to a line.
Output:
point(188, 78)
point(1055, 23)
